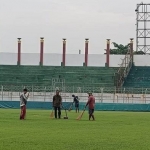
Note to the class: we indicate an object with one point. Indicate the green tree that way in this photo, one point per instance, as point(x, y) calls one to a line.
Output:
point(120, 49)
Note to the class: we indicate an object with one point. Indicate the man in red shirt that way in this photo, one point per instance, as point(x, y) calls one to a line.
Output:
point(91, 104)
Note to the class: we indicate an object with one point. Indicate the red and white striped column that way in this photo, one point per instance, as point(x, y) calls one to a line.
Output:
point(64, 53)
point(107, 52)
point(41, 50)
point(131, 48)
point(86, 52)
point(19, 52)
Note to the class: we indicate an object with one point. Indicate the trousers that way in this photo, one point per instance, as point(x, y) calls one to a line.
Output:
point(59, 112)
point(23, 112)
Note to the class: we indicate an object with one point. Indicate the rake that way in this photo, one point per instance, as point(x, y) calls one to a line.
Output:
point(52, 114)
point(80, 116)
point(70, 108)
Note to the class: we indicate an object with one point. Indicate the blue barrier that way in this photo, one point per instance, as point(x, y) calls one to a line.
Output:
point(98, 106)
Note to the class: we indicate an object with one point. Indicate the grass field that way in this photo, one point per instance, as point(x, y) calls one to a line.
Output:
point(110, 131)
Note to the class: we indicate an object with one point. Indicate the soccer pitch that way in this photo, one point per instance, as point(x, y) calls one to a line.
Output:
point(110, 131)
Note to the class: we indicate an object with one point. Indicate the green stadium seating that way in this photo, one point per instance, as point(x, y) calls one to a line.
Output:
point(43, 75)
point(138, 77)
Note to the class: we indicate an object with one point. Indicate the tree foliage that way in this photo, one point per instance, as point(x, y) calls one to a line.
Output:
point(120, 49)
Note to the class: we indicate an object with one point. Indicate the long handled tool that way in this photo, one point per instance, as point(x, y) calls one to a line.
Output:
point(66, 117)
point(52, 114)
point(80, 116)
point(70, 108)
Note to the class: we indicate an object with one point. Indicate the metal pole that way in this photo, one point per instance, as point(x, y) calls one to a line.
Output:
point(132, 95)
point(145, 95)
point(137, 18)
point(32, 93)
point(2, 92)
point(101, 95)
point(142, 94)
point(11, 93)
point(123, 94)
point(114, 94)
point(44, 94)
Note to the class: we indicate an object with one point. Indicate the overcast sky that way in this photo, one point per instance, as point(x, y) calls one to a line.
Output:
point(74, 20)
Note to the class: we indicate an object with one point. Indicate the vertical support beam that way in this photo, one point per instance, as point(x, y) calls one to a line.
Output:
point(142, 27)
point(86, 52)
point(64, 53)
point(41, 50)
point(107, 52)
point(19, 52)
point(131, 49)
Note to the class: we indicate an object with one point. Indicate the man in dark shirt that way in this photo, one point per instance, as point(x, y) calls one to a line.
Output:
point(76, 101)
point(57, 103)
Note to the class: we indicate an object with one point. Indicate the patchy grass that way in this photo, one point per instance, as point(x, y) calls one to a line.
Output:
point(110, 131)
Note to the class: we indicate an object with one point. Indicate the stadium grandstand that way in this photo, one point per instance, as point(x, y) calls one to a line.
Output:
point(45, 75)
point(120, 75)
point(112, 78)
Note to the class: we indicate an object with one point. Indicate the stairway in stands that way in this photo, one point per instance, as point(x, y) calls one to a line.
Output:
point(138, 77)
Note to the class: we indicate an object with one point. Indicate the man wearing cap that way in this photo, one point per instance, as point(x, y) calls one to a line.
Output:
point(91, 104)
point(57, 103)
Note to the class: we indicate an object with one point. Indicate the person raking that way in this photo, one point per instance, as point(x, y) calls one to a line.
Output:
point(76, 102)
point(91, 104)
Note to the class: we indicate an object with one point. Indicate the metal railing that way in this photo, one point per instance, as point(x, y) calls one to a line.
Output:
point(102, 94)
point(124, 68)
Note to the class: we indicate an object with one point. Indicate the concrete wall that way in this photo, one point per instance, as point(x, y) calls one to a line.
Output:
point(98, 107)
point(142, 60)
point(71, 59)
point(55, 59)
point(67, 97)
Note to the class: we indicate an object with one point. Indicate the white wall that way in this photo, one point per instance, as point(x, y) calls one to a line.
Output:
point(8, 58)
point(74, 59)
point(116, 60)
point(67, 97)
point(142, 60)
point(71, 59)
point(30, 59)
point(52, 59)
point(96, 60)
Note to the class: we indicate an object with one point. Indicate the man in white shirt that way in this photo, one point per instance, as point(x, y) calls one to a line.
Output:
point(23, 101)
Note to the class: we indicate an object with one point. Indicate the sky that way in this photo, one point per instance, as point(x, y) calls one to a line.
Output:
point(74, 20)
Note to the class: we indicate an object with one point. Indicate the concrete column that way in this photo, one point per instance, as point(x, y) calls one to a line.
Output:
point(86, 52)
point(107, 52)
point(64, 53)
point(41, 50)
point(131, 48)
point(19, 52)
